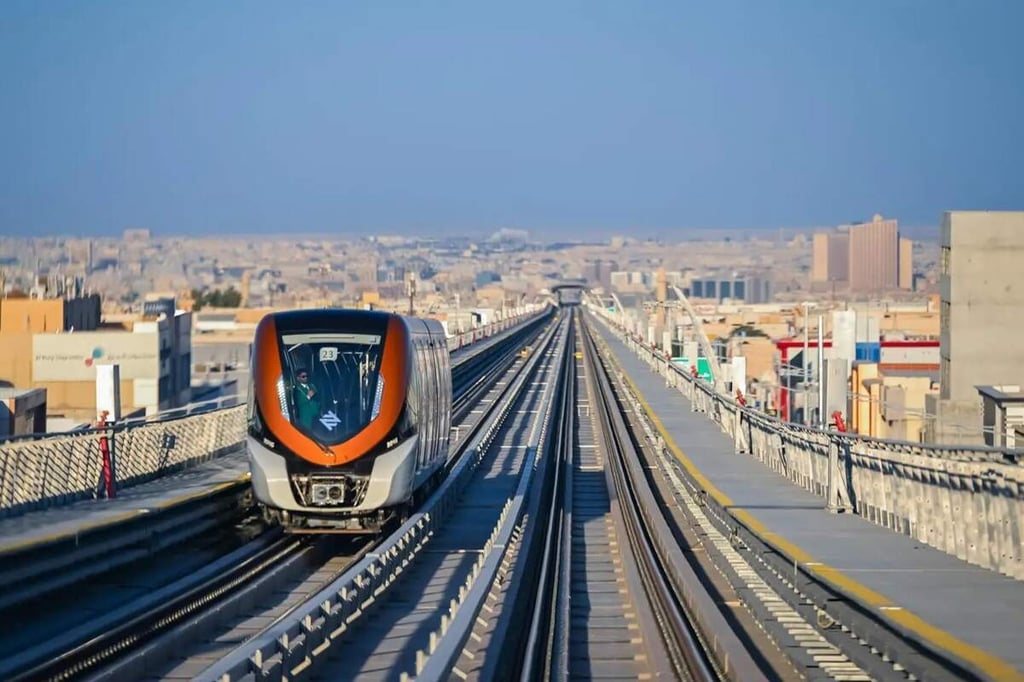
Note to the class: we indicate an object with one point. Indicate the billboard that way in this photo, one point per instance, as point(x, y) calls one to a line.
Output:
point(73, 357)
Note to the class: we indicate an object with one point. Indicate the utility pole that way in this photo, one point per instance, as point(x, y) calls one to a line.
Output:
point(820, 371)
point(806, 367)
point(458, 311)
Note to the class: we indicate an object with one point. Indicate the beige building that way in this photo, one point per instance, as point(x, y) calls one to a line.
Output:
point(889, 402)
point(867, 257)
point(830, 265)
point(34, 315)
point(906, 273)
point(874, 255)
point(44, 349)
point(980, 321)
point(22, 411)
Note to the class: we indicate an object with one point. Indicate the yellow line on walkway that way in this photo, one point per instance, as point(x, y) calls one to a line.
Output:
point(985, 662)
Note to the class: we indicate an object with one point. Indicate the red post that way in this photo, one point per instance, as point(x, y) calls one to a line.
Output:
point(837, 420)
point(108, 469)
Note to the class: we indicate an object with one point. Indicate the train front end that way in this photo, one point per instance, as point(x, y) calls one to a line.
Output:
point(329, 446)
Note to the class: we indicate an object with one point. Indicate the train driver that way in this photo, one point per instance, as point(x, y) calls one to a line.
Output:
point(307, 400)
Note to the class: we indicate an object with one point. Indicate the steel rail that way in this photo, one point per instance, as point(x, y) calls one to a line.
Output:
point(45, 568)
point(292, 647)
point(879, 648)
point(687, 655)
point(701, 645)
point(49, 566)
point(547, 640)
point(495, 365)
point(143, 621)
point(177, 602)
point(438, 661)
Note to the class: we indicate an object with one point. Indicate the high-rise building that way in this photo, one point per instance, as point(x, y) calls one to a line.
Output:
point(875, 255)
point(906, 264)
point(831, 260)
point(819, 258)
point(980, 329)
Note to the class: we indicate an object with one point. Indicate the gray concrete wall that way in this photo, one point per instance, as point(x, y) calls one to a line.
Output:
point(982, 310)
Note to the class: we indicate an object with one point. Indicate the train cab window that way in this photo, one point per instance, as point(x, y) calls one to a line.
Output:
point(331, 383)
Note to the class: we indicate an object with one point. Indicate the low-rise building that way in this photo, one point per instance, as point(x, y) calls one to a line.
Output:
point(154, 355)
point(1002, 413)
point(22, 411)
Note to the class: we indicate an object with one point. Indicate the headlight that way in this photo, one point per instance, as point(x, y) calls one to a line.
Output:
point(376, 398)
point(282, 396)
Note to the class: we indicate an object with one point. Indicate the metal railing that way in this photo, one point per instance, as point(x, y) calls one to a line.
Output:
point(46, 470)
point(967, 501)
point(65, 468)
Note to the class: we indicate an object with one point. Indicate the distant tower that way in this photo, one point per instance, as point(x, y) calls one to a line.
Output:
point(661, 295)
point(411, 291)
point(246, 283)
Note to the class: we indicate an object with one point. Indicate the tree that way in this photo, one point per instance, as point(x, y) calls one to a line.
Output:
point(747, 330)
point(230, 298)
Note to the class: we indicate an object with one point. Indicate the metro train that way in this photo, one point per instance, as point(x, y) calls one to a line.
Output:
point(349, 417)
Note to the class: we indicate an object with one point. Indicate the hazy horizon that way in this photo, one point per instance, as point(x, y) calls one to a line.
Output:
point(582, 119)
point(543, 235)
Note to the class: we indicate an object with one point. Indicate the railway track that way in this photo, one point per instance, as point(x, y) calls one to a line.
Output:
point(132, 625)
point(698, 641)
point(597, 585)
point(613, 596)
point(388, 613)
point(585, 621)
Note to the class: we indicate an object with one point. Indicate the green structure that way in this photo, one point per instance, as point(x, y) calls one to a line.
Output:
point(703, 370)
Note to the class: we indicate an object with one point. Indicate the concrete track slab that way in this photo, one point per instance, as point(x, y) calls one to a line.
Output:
point(50, 525)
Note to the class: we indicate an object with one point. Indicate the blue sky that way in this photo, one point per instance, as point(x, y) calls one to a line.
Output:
point(569, 119)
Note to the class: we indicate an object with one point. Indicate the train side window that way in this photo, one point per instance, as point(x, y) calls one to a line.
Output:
point(428, 438)
point(428, 427)
point(413, 402)
point(446, 374)
point(443, 377)
point(428, 406)
point(424, 403)
point(435, 354)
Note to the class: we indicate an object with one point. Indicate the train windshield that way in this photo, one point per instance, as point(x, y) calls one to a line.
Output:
point(331, 386)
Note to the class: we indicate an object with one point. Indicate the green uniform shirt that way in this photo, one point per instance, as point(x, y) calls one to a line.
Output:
point(308, 408)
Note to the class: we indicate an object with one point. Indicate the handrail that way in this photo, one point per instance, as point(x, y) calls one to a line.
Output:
point(965, 500)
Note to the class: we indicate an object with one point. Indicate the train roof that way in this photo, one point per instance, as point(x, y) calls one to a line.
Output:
point(348, 317)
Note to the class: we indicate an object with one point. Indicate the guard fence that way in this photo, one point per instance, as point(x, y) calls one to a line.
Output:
point(967, 501)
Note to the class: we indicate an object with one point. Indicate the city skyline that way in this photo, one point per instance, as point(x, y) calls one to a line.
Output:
point(926, 233)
